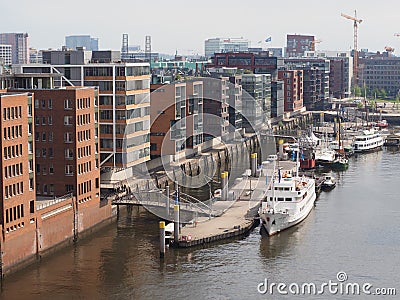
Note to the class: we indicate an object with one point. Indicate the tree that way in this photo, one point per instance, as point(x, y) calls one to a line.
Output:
point(383, 93)
point(356, 91)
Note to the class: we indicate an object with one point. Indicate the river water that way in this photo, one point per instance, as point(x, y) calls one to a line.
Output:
point(354, 229)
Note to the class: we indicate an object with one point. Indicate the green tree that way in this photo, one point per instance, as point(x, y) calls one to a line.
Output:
point(383, 93)
point(375, 93)
point(356, 91)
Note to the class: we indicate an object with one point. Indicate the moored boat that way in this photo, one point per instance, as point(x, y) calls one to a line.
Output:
point(329, 183)
point(368, 140)
point(287, 202)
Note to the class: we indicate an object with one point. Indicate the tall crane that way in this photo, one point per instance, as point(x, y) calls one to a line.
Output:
point(355, 55)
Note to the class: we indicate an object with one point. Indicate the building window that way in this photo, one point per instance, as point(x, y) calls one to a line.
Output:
point(69, 154)
point(69, 170)
point(50, 104)
point(32, 206)
point(67, 104)
point(69, 188)
point(67, 120)
point(68, 137)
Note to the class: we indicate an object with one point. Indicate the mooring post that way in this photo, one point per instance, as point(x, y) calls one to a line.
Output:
point(162, 238)
point(224, 186)
point(167, 200)
point(254, 164)
point(176, 224)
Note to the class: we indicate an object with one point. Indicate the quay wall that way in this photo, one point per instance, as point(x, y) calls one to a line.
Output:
point(53, 228)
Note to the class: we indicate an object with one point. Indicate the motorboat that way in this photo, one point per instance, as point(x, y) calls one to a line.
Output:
point(329, 183)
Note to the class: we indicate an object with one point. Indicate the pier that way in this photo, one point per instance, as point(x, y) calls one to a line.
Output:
point(238, 217)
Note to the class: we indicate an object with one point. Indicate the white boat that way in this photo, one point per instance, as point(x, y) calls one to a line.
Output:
point(287, 202)
point(325, 156)
point(329, 182)
point(369, 140)
point(169, 232)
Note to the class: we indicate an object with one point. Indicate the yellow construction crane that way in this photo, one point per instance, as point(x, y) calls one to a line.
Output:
point(355, 55)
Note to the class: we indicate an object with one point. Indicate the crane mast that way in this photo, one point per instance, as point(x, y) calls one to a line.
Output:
point(355, 55)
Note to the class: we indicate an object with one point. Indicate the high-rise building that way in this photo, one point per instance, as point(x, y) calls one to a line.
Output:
point(315, 80)
point(219, 45)
point(293, 89)
point(74, 41)
point(216, 106)
point(381, 73)
point(17, 198)
point(66, 143)
point(341, 71)
point(277, 99)
point(297, 44)
point(20, 46)
point(256, 100)
point(176, 118)
point(6, 54)
point(124, 102)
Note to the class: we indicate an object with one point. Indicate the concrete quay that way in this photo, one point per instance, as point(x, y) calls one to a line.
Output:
point(237, 218)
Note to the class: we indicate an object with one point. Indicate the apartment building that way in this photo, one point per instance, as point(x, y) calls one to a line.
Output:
point(256, 100)
point(293, 89)
point(256, 62)
point(298, 44)
point(315, 80)
point(20, 46)
point(176, 118)
point(124, 102)
point(6, 54)
point(216, 107)
point(17, 172)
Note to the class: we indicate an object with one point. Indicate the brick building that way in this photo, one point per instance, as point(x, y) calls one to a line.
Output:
point(292, 89)
point(17, 173)
point(176, 118)
point(297, 44)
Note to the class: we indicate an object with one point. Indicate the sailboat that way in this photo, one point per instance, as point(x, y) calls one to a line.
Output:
point(287, 201)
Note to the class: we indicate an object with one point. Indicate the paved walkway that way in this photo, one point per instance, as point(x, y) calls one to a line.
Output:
point(237, 218)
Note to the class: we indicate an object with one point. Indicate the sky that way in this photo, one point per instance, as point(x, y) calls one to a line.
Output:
point(183, 26)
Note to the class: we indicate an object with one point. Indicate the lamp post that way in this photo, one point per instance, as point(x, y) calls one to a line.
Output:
point(248, 174)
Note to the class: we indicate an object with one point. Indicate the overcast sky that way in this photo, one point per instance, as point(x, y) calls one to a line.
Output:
point(184, 25)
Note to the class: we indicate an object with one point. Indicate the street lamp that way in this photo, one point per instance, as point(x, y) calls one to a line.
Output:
point(248, 174)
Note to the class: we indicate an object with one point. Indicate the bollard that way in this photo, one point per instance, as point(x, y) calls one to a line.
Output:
point(224, 186)
point(254, 164)
point(176, 224)
point(167, 200)
point(280, 142)
point(162, 238)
